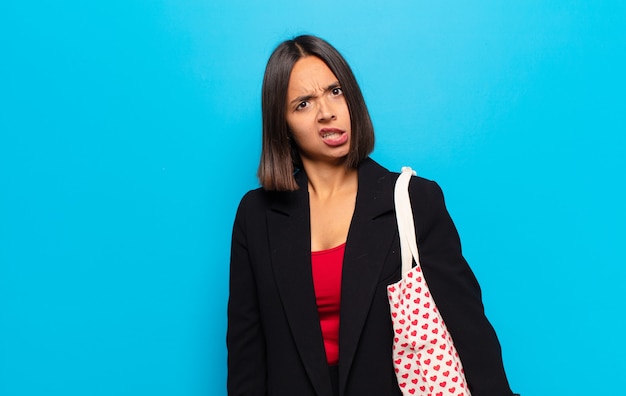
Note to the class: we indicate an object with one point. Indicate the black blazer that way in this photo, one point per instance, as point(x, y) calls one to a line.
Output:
point(274, 339)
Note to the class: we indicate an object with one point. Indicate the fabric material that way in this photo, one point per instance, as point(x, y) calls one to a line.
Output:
point(334, 379)
point(425, 359)
point(275, 346)
point(326, 267)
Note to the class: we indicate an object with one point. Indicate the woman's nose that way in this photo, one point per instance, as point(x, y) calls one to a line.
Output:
point(326, 111)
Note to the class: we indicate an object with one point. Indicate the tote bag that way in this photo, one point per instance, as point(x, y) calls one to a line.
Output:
point(424, 357)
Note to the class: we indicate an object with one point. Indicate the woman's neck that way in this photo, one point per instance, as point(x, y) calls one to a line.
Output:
point(326, 180)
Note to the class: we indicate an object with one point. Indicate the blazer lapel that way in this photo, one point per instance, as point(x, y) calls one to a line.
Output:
point(290, 244)
point(370, 238)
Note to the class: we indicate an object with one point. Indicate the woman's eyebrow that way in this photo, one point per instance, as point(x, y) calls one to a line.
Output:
point(333, 86)
point(299, 99)
point(304, 98)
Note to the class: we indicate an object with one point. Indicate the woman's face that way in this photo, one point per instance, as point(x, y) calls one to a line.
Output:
point(317, 113)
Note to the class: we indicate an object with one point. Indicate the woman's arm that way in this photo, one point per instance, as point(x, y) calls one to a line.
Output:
point(244, 339)
point(456, 292)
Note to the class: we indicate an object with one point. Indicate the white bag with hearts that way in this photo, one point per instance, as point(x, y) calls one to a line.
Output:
point(425, 359)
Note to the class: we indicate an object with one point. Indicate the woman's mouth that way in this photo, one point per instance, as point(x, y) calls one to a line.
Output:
point(334, 136)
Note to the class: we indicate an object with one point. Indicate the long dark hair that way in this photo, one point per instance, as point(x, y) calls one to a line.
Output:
point(279, 155)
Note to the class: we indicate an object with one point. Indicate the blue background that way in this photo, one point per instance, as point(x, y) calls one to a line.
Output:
point(129, 130)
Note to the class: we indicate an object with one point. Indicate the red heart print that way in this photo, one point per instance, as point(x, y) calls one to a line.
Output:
point(433, 378)
point(442, 384)
point(439, 357)
point(437, 367)
point(446, 373)
point(430, 351)
point(412, 391)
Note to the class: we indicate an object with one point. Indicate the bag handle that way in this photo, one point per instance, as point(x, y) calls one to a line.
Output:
point(404, 217)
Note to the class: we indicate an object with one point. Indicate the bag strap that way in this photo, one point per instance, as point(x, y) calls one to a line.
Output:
point(404, 217)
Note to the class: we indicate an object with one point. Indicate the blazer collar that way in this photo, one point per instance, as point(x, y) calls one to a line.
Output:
point(370, 238)
point(289, 237)
point(366, 249)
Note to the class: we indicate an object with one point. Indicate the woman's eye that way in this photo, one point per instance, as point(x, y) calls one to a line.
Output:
point(337, 91)
point(302, 105)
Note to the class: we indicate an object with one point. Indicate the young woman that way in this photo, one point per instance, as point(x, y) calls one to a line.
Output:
point(314, 249)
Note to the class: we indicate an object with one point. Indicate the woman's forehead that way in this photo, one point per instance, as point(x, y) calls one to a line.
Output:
point(310, 73)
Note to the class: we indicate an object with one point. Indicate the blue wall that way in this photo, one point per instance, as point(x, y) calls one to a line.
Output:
point(130, 129)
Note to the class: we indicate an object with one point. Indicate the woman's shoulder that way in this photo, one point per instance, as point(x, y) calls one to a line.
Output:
point(255, 198)
point(259, 199)
point(418, 184)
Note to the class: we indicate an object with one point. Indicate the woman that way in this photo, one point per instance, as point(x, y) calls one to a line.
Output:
point(314, 249)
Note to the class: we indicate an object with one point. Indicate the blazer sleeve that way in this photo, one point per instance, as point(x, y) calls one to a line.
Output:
point(456, 292)
point(244, 338)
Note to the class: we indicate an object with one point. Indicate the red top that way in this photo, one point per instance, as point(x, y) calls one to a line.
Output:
point(327, 265)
